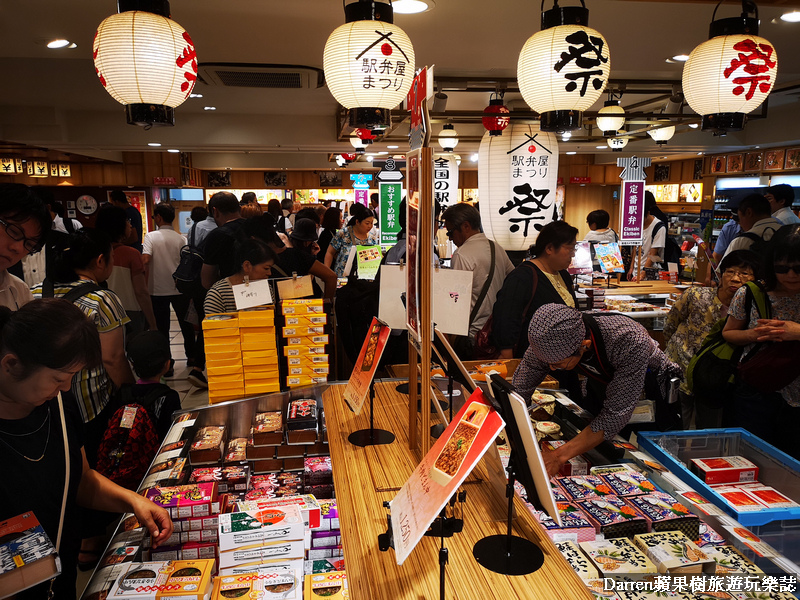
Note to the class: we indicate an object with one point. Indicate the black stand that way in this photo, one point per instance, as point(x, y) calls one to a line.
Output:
point(508, 554)
point(371, 436)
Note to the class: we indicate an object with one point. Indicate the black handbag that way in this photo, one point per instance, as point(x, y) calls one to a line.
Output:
point(187, 275)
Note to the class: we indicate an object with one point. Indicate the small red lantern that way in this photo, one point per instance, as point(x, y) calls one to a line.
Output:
point(491, 121)
point(365, 135)
point(349, 157)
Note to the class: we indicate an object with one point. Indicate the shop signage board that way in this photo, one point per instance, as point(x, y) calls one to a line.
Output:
point(361, 187)
point(368, 259)
point(582, 261)
point(442, 471)
point(391, 195)
point(445, 180)
point(631, 213)
point(367, 363)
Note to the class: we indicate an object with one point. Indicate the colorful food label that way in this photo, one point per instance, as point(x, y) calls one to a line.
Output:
point(659, 506)
point(729, 560)
point(577, 560)
point(617, 555)
point(672, 550)
point(628, 483)
point(584, 486)
point(609, 510)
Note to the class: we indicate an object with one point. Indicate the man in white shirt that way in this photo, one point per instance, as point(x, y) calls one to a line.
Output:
point(757, 224)
point(780, 199)
point(463, 224)
point(161, 252)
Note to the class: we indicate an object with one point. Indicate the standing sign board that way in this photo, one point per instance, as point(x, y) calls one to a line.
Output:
point(367, 363)
point(390, 188)
point(361, 187)
point(631, 211)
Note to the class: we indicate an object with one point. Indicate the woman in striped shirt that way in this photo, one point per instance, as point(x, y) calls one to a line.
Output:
point(254, 259)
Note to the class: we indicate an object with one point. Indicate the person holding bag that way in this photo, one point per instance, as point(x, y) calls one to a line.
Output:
point(42, 346)
point(767, 397)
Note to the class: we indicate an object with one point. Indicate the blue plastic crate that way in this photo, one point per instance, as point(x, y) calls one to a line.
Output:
point(675, 449)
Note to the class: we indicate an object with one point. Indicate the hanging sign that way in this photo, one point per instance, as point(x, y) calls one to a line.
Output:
point(445, 180)
point(391, 195)
point(251, 294)
point(361, 187)
point(631, 208)
point(7, 166)
point(517, 178)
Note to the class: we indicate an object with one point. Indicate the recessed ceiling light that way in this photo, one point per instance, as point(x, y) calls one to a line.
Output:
point(474, 158)
point(410, 7)
point(383, 152)
point(694, 125)
point(680, 57)
point(173, 150)
point(72, 45)
point(601, 147)
point(195, 95)
point(153, 144)
point(370, 158)
point(58, 44)
point(699, 154)
point(757, 147)
point(566, 135)
point(209, 108)
point(571, 153)
point(791, 17)
point(393, 147)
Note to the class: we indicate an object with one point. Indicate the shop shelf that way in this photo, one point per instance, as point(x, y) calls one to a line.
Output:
point(676, 448)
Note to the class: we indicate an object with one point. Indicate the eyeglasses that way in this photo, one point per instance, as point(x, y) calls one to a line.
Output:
point(16, 233)
point(783, 269)
point(741, 275)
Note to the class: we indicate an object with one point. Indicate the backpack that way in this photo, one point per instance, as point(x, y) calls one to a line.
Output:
point(187, 275)
point(759, 245)
point(711, 373)
point(130, 441)
point(672, 251)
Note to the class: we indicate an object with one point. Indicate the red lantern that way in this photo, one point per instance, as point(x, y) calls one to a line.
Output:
point(349, 157)
point(365, 135)
point(493, 123)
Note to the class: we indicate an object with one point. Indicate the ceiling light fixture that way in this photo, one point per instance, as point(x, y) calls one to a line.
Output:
point(368, 37)
point(356, 142)
point(448, 138)
point(566, 135)
point(392, 147)
point(173, 150)
point(153, 144)
point(474, 158)
point(195, 95)
point(662, 135)
point(694, 125)
point(146, 61)
point(571, 152)
point(791, 17)
point(412, 7)
point(55, 44)
point(563, 69)
point(493, 123)
point(680, 57)
point(732, 73)
point(611, 118)
point(617, 143)
point(209, 108)
point(600, 147)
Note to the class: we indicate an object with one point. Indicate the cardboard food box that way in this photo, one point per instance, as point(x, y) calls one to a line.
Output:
point(310, 508)
point(326, 585)
point(612, 516)
point(184, 501)
point(739, 498)
point(709, 538)
point(207, 445)
point(236, 451)
point(664, 513)
point(584, 486)
point(576, 527)
point(724, 469)
point(729, 560)
point(268, 429)
point(267, 583)
point(579, 562)
point(672, 552)
point(265, 524)
point(254, 452)
point(628, 483)
point(262, 552)
point(301, 414)
point(318, 470)
point(771, 498)
point(27, 556)
point(187, 579)
point(198, 551)
point(617, 555)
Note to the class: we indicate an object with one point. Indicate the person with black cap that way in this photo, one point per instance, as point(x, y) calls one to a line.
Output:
point(301, 258)
point(615, 354)
point(781, 198)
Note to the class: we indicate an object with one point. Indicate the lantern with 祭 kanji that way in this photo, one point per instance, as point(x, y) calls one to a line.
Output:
point(146, 61)
point(369, 64)
point(732, 73)
point(563, 69)
point(517, 178)
point(495, 116)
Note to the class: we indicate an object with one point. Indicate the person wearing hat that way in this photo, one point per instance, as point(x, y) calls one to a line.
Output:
point(301, 258)
point(614, 352)
point(781, 198)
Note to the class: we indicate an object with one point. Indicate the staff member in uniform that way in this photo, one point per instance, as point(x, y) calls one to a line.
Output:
point(560, 340)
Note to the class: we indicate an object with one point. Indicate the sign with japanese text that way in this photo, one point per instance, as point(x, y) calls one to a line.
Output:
point(361, 187)
point(631, 207)
point(366, 364)
point(391, 195)
point(517, 179)
point(751, 66)
point(417, 101)
point(251, 294)
point(442, 471)
point(445, 180)
point(7, 166)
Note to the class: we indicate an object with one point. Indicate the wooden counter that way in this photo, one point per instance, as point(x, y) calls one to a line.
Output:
point(366, 477)
point(631, 288)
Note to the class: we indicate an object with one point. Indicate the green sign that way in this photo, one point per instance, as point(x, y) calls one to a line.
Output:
point(368, 259)
point(391, 195)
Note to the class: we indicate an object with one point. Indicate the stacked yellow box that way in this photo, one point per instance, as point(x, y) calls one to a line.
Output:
point(223, 357)
point(259, 351)
point(304, 341)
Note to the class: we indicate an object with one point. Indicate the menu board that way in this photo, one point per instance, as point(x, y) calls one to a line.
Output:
point(367, 363)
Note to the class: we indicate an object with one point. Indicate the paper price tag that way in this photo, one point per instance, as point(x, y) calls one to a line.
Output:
point(295, 288)
point(255, 293)
point(128, 416)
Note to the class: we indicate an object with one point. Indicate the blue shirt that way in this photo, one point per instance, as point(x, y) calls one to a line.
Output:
point(203, 229)
point(729, 231)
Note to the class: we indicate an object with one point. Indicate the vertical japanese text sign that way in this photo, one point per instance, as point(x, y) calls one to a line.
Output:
point(361, 187)
point(445, 180)
point(631, 208)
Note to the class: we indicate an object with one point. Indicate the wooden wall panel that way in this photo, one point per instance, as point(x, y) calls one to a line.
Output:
point(580, 200)
point(92, 174)
point(113, 174)
point(467, 179)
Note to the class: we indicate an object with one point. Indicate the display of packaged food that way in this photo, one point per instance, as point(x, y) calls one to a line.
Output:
point(205, 474)
point(123, 547)
point(770, 497)
point(265, 524)
point(724, 469)
point(612, 516)
point(740, 499)
point(103, 579)
point(326, 585)
point(664, 513)
point(546, 430)
point(583, 486)
point(708, 538)
point(729, 560)
point(301, 414)
point(618, 555)
point(267, 465)
point(187, 579)
point(268, 429)
point(575, 526)
point(310, 508)
point(579, 562)
point(318, 470)
point(302, 436)
point(672, 552)
point(236, 450)
point(262, 552)
point(597, 587)
point(628, 483)
point(198, 550)
point(207, 445)
point(183, 501)
point(254, 452)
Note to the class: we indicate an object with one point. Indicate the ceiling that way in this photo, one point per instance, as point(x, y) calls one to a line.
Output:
point(52, 98)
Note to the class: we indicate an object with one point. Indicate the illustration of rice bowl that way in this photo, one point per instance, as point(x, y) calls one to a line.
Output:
point(458, 445)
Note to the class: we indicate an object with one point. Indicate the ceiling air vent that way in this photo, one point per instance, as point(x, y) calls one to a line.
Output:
point(249, 75)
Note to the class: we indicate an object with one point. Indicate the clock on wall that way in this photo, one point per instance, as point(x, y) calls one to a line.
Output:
point(86, 204)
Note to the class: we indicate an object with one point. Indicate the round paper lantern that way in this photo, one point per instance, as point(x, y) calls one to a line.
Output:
point(517, 179)
point(357, 143)
point(495, 124)
point(147, 62)
point(731, 74)
point(369, 64)
point(662, 135)
point(563, 69)
point(610, 118)
point(448, 138)
point(617, 143)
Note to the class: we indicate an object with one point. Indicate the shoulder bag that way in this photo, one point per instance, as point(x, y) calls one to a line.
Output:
point(187, 275)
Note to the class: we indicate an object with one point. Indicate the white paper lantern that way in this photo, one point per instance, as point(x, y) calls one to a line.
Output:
point(445, 179)
point(662, 135)
point(448, 138)
point(369, 64)
point(728, 77)
point(617, 143)
point(610, 118)
point(563, 69)
point(147, 62)
point(517, 178)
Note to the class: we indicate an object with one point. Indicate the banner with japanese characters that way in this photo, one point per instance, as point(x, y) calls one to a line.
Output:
point(517, 178)
point(391, 194)
point(445, 180)
point(631, 213)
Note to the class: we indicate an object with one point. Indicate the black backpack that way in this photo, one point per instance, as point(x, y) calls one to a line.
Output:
point(187, 275)
point(759, 245)
point(672, 251)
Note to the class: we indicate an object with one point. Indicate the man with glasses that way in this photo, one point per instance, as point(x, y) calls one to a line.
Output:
point(24, 223)
point(691, 319)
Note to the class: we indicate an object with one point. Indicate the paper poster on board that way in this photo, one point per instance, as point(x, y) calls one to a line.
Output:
point(296, 287)
point(442, 471)
point(393, 285)
point(609, 257)
point(368, 259)
point(582, 261)
point(452, 295)
point(367, 363)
